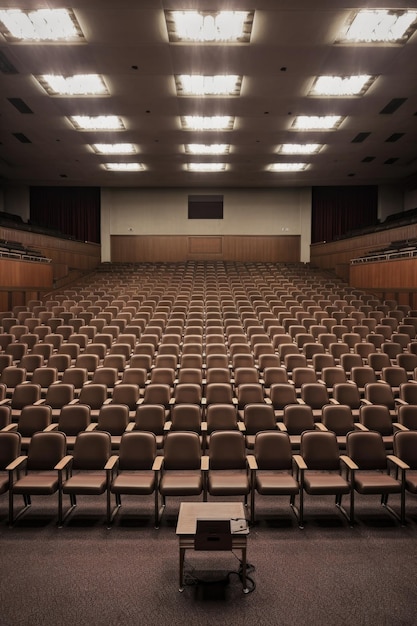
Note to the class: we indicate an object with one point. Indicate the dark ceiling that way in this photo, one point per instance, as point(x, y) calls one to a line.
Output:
point(291, 44)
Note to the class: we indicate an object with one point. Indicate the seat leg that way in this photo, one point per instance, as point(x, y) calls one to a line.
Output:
point(252, 506)
point(301, 509)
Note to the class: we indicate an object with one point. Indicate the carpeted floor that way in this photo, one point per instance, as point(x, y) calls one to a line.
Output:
point(327, 574)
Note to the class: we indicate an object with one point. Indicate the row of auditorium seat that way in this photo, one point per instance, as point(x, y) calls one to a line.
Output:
point(277, 332)
point(227, 471)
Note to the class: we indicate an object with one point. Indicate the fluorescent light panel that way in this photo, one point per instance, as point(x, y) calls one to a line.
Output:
point(300, 148)
point(315, 122)
point(381, 26)
point(114, 148)
point(124, 167)
point(341, 85)
point(288, 167)
point(217, 122)
point(78, 85)
point(97, 122)
point(213, 149)
point(218, 85)
point(40, 25)
point(209, 27)
point(206, 167)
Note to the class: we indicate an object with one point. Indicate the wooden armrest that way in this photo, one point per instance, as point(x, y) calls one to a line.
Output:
point(203, 427)
point(91, 427)
point(9, 428)
point(205, 463)
point(64, 462)
point(130, 427)
point(321, 426)
point(348, 462)
point(111, 463)
point(281, 426)
point(157, 464)
point(399, 426)
point(252, 462)
point(398, 462)
point(241, 427)
point(167, 426)
point(50, 428)
point(299, 461)
point(16, 463)
point(39, 402)
point(5, 401)
point(361, 426)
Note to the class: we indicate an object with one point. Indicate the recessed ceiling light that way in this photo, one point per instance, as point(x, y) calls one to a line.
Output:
point(78, 85)
point(300, 148)
point(206, 167)
point(315, 122)
point(217, 122)
point(40, 25)
point(114, 148)
point(218, 85)
point(341, 85)
point(206, 26)
point(124, 167)
point(381, 25)
point(288, 167)
point(97, 122)
point(201, 148)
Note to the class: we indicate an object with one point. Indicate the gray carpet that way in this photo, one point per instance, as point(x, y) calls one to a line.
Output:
point(328, 573)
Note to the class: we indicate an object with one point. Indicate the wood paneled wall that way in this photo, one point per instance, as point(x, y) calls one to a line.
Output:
point(154, 248)
point(395, 279)
point(339, 253)
point(66, 254)
point(70, 259)
point(388, 280)
point(22, 280)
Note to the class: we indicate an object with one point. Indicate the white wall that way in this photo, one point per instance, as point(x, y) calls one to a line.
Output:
point(246, 212)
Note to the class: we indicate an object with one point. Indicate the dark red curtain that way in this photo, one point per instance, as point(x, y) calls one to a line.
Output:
point(73, 211)
point(336, 211)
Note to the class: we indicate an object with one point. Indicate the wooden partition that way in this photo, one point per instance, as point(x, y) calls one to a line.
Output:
point(69, 260)
point(338, 254)
point(21, 279)
point(154, 248)
point(388, 280)
point(395, 279)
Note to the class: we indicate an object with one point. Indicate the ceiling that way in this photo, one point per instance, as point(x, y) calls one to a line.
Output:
point(291, 44)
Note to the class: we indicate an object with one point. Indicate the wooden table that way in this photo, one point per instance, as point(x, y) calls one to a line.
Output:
point(186, 529)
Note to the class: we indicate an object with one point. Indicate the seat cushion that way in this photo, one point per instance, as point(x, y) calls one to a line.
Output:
point(45, 483)
point(134, 483)
point(323, 483)
point(86, 483)
point(227, 483)
point(181, 483)
point(276, 483)
point(376, 482)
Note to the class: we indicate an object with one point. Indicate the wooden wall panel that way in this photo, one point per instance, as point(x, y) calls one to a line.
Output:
point(274, 249)
point(26, 274)
point(74, 255)
point(339, 253)
point(388, 279)
point(205, 246)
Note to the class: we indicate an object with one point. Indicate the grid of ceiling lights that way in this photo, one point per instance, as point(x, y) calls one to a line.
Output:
point(205, 28)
